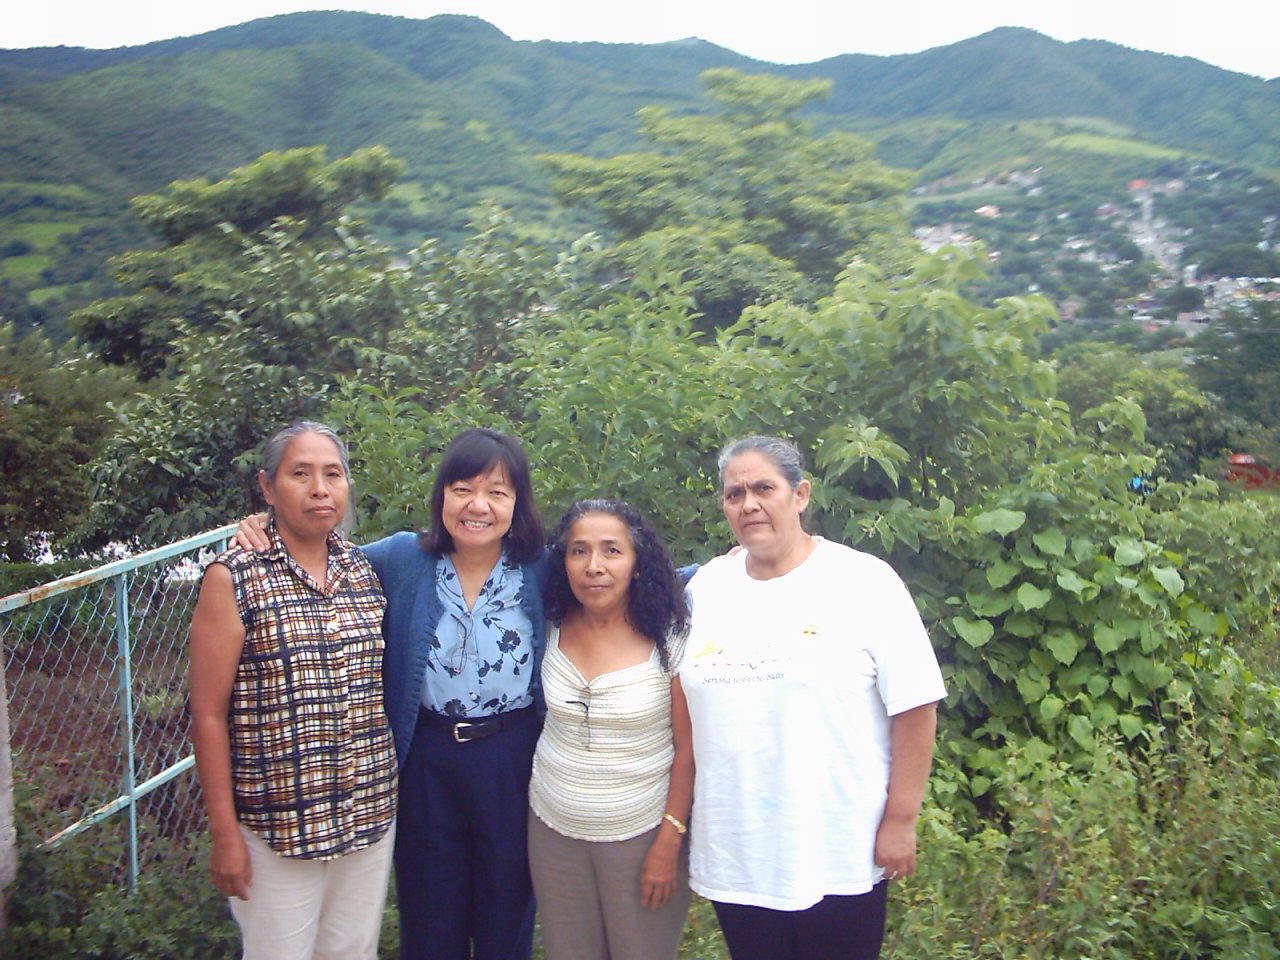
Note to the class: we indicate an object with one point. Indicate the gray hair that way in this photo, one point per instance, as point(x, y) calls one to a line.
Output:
point(273, 452)
point(783, 454)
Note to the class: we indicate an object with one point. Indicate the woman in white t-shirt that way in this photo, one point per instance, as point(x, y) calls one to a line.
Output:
point(812, 690)
point(613, 770)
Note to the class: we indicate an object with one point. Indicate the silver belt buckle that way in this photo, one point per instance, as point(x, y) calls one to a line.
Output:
point(457, 735)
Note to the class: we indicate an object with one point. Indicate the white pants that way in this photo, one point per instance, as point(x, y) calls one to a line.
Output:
point(313, 909)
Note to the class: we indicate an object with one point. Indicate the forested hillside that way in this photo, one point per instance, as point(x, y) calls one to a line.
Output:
point(468, 110)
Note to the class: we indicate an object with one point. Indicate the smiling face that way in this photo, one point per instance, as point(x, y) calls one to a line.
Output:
point(477, 511)
point(762, 507)
point(308, 494)
point(599, 562)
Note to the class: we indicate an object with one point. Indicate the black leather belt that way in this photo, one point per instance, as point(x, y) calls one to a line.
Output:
point(475, 728)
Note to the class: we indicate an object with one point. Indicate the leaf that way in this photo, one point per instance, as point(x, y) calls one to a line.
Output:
point(1064, 646)
point(974, 632)
point(1103, 716)
point(1107, 638)
point(1001, 572)
point(1081, 730)
point(1032, 688)
point(1051, 541)
point(1050, 707)
point(1021, 625)
point(1202, 620)
point(1031, 597)
point(1072, 581)
point(979, 785)
point(999, 521)
point(1150, 639)
point(1130, 725)
point(987, 604)
point(1128, 551)
point(1169, 578)
point(1258, 914)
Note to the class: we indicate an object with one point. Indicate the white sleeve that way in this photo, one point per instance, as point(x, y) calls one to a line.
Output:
point(907, 672)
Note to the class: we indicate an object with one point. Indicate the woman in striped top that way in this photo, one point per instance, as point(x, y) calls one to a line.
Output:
point(613, 770)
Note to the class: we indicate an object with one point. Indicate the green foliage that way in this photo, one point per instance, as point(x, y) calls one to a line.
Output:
point(1240, 260)
point(261, 300)
point(746, 203)
point(206, 269)
point(1165, 853)
point(1084, 629)
point(16, 577)
point(54, 419)
point(184, 453)
point(1068, 610)
point(70, 902)
point(1238, 360)
point(1187, 430)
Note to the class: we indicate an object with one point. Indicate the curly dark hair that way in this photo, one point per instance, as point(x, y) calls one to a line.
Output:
point(655, 600)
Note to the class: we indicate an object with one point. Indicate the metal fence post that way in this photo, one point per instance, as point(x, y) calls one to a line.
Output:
point(8, 826)
point(126, 720)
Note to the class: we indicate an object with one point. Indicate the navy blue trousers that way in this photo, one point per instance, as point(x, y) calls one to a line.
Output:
point(834, 928)
point(461, 854)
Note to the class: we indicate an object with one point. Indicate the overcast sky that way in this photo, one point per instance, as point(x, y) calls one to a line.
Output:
point(1242, 35)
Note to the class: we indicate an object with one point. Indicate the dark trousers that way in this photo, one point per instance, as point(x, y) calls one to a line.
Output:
point(834, 928)
point(462, 869)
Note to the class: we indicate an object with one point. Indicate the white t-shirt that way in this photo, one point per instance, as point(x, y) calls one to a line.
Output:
point(603, 763)
point(791, 683)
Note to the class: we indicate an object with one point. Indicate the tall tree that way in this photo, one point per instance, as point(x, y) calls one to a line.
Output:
point(254, 317)
point(1238, 359)
point(54, 418)
point(1187, 430)
point(202, 269)
point(745, 202)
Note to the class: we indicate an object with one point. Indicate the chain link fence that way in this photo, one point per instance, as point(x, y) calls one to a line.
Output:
point(95, 670)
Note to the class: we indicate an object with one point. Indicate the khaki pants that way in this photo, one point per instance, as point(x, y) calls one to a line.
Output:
point(313, 909)
point(588, 898)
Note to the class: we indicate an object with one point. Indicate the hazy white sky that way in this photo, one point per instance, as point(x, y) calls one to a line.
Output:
point(1242, 35)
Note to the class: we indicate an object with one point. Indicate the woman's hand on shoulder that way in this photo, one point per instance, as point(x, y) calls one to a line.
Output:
point(251, 534)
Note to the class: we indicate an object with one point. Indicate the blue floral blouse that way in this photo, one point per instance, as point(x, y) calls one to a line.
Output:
point(480, 661)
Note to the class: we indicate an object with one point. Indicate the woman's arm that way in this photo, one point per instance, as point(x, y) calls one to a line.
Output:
point(658, 875)
point(217, 640)
point(911, 754)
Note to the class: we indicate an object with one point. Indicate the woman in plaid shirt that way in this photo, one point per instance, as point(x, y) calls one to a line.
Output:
point(292, 742)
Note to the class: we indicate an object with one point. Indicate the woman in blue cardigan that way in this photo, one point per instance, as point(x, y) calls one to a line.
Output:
point(464, 632)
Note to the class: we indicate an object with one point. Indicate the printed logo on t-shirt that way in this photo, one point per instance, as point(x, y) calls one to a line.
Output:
point(709, 649)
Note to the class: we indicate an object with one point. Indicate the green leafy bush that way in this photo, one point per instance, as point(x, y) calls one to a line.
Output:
point(1164, 854)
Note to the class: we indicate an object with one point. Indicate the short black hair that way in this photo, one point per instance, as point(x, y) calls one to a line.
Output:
point(478, 450)
point(655, 598)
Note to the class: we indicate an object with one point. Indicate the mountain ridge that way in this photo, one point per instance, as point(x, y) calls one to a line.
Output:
point(469, 109)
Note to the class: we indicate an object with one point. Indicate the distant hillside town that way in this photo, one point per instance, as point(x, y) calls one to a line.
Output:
point(1180, 250)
